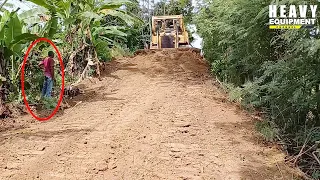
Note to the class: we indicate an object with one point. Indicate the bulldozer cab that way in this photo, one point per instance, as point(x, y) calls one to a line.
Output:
point(168, 32)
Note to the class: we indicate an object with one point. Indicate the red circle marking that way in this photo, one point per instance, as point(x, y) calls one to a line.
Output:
point(22, 79)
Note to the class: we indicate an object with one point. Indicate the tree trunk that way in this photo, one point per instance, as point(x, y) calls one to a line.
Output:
point(96, 60)
point(70, 64)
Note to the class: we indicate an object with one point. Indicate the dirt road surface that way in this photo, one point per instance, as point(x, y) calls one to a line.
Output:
point(153, 116)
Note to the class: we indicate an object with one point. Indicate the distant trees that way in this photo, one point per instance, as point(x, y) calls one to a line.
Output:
point(175, 7)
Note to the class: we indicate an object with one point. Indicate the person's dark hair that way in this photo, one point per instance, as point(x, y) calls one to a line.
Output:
point(50, 54)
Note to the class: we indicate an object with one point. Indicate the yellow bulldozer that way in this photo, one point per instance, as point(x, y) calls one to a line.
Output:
point(168, 32)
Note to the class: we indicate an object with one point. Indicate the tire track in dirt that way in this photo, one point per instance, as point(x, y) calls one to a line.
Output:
point(154, 116)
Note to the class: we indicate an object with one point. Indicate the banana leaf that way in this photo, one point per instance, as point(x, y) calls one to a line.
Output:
point(23, 38)
point(108, 30)
point(3, 21)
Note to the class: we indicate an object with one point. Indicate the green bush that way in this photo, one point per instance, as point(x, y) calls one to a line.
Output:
point(274, 71)
point(50, 103)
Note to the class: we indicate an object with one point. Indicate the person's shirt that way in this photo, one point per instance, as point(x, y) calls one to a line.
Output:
point(48, 64)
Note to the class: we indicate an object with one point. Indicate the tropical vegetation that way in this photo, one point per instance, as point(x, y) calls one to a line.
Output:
point(273, 71)
point(82, 30)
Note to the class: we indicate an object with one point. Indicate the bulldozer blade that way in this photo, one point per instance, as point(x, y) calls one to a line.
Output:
point(148, 51)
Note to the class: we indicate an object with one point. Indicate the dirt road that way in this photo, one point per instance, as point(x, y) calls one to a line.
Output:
point(153, 116)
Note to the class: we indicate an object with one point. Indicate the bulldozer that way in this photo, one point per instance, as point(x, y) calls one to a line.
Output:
point(168, 32)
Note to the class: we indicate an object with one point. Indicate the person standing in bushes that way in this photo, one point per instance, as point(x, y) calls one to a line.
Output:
point(47, 65)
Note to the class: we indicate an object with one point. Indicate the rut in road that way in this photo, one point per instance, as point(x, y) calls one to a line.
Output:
point(153, 116)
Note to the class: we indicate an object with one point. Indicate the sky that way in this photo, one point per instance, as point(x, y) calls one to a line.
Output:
point(22, 6)
point(27, 5)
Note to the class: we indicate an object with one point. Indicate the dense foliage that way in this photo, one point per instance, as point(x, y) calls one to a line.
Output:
point(274, 71)
point(82, 30)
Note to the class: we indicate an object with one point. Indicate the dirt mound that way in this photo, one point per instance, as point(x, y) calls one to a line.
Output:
point(179, 64)
point(15, 118)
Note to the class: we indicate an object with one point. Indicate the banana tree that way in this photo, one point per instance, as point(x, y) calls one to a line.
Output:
point(85, 17)
point(13, 39)
point(94, 14)
point(12, 43)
